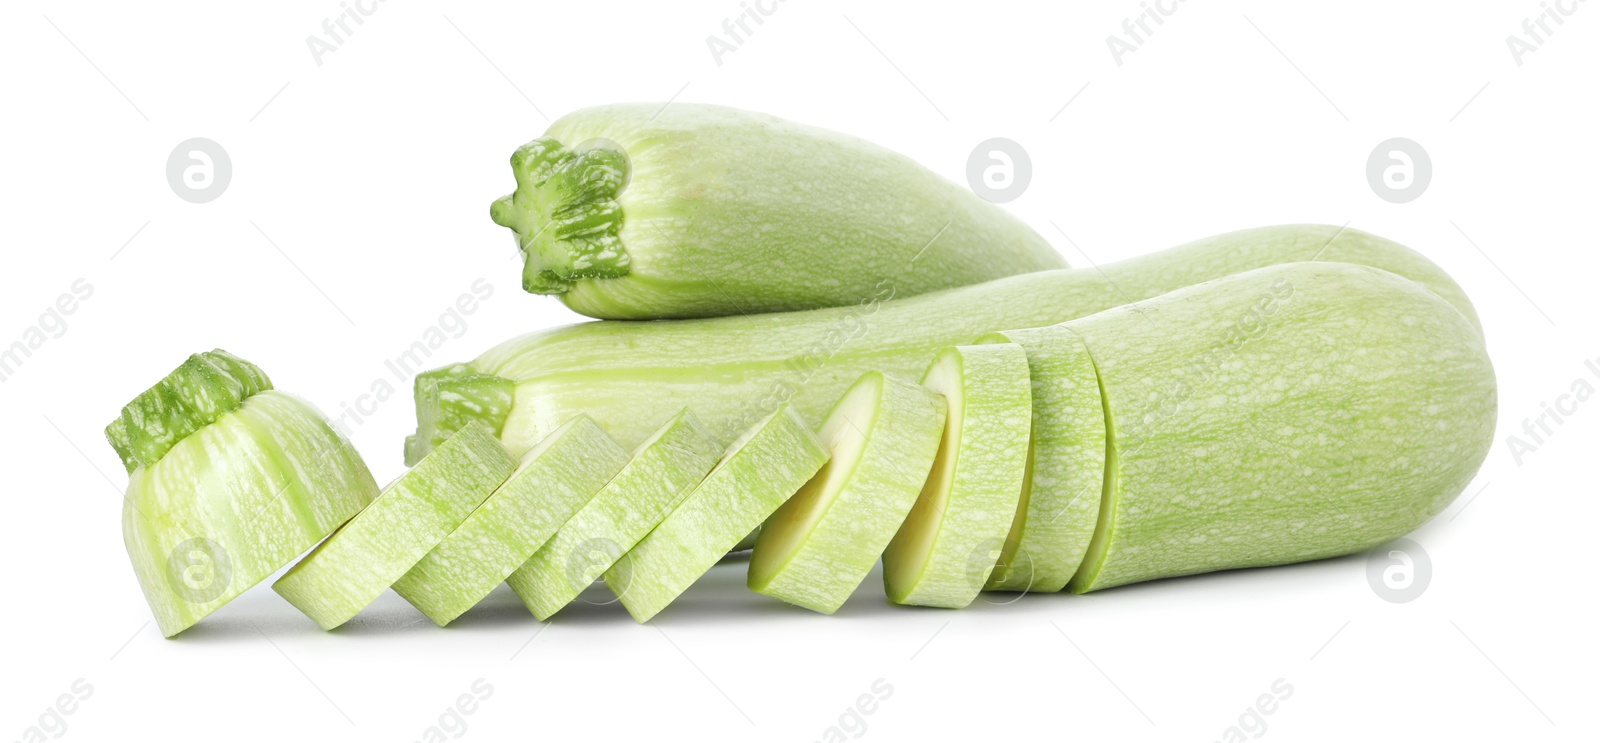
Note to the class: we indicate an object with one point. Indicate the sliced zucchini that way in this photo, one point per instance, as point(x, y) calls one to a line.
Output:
point(556, 478)
point(817, 548)
point(949, 544)
point(756, 475)
point(1060, 501)
point(661, 473)
point(365, 556)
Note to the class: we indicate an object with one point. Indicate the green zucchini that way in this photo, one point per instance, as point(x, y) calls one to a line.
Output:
point(630, 377)
point(756, 475)
point(228, 480)
point(662, 472)
point(555, 479)
point(1060, 502)
point(949, 544)
point(644, 211)
point(1286, 414)
point(882, 437)
point(357, 563)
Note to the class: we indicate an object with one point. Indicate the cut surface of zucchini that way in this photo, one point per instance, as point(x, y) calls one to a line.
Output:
point(816, 549)
point(945, 551)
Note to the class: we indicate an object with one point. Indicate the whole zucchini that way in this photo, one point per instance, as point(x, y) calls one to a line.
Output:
point(631, 376)
point(644, 211)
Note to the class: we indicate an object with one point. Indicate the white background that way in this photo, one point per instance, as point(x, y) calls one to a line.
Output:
point(358, 212)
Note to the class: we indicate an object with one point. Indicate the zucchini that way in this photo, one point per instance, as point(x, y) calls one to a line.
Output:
point(357, 563)
point(228, 480)
point(817, 548)
point(1060, 502)
point(661, 473)
point(643, 211)
point(757, 474)
point(554, 480)
point(630, 377)
point(949, 544)
point(1286, 414)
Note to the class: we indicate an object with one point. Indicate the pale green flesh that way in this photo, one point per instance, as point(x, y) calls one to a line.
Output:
point(818, 547)
point(235, 500)
point(369, 553)
point(555, 479)
point(661, 473)
point(753, 480)
point(645, 211)
point(1060, 504)
point(631, 377)
point(945, 551)
point(1288, 414)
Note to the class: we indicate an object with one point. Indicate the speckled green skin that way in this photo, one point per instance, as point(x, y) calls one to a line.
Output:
point(369, 553)
point(235, 500)
point(752, 480)
point(201, 389)
point(1287, 414)
point(1067, 453)
point(451, 396)
point(646, 211)
point(631, 377)
point(899, 437)
point(662, 472)
point(986, 439)
point(554, 480)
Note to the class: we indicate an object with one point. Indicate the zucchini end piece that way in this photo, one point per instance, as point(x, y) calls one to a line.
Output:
point(449, 398)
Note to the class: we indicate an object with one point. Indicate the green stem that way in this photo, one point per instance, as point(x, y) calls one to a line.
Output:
point(201, 390)
point(565, 213)
point(451, 397)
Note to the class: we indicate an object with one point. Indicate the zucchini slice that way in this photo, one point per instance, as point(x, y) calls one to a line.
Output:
point(949, 544)
point(1060, 502)
point(367, 555)
point(756, 475)
point(556, 478)
point(661, 473)
point(817, 548)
